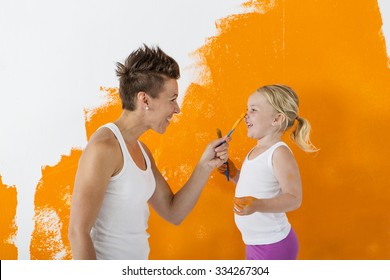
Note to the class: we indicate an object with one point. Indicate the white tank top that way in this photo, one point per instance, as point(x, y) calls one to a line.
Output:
point(257, 179)
point(119, 232)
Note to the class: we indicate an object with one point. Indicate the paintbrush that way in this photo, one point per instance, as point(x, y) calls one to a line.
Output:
point(235, 124)
point(219, 133)
point(233, 128)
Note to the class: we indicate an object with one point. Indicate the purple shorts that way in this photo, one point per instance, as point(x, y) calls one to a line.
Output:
point(286, 249)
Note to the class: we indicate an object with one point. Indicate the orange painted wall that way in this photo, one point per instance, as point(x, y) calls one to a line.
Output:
point(8, 228)
point(333, 54)
point(52, 208)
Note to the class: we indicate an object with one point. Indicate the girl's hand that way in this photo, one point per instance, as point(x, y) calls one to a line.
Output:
point(245, 205)
point(232, 169)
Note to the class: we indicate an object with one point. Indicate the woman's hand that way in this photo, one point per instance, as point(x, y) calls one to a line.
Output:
point(215, 153)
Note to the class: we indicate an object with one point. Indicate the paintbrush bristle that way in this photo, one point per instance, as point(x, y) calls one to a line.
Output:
point(238, 121)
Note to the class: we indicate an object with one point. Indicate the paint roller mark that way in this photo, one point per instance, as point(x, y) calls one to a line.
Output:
point(52, 207)
point(108, 112)
point(54, 190)
point(260, 7)
point(8, 203)
point(48, 225)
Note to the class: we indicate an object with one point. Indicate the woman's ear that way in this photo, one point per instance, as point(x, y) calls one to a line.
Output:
point(143, 100)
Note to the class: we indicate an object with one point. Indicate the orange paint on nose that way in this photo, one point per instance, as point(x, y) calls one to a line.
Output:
point(8, 203)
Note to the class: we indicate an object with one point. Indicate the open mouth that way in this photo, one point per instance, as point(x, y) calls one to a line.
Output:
point(172, 119)
point(169, 118)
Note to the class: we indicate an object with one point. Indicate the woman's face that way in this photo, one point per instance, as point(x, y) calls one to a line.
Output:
point(164, 106)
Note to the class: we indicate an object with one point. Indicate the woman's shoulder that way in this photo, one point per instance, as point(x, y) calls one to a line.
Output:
point(103, 136)
point(103, 141)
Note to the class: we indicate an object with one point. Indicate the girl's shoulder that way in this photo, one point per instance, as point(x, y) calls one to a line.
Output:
point(282, 155)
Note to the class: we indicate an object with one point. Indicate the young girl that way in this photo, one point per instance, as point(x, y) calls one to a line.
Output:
point(269, 184)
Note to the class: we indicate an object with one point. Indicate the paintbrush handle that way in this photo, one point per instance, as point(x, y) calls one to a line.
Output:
point(219, 133)
point(230, 133)
point(227, 172)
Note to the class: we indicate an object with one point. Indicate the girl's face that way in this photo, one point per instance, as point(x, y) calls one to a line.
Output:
point(164, 106)
point(260, 117)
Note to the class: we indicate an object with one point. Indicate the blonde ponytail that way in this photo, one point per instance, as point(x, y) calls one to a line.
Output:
point(300, 135)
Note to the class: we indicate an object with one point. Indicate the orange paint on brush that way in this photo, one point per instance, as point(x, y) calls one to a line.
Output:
point(337, 63)
point(8, 203)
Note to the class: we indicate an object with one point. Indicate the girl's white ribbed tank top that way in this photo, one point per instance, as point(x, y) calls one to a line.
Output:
point(257, 179)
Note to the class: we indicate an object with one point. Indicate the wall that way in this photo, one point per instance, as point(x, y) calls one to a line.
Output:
point(57, 91)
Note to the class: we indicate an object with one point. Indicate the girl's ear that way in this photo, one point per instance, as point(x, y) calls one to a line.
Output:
point(279, 119)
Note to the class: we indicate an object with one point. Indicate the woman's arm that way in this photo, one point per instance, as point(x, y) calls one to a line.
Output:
point(96, 166)
point(175, 207)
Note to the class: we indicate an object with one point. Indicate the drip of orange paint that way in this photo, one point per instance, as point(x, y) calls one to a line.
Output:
point(8, 203)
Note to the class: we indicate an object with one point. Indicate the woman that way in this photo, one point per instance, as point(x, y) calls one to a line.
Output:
point(117, 176)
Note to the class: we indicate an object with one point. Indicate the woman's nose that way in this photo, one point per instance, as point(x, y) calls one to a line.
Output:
point(177, 108)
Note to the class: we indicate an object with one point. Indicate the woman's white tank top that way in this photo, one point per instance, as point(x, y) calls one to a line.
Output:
point(119, 232)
